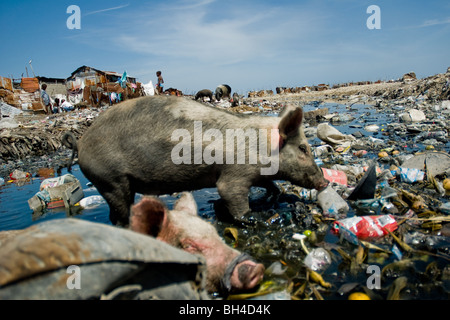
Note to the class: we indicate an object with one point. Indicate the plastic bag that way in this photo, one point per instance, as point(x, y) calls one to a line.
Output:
point(91, 202)
point(411, 175)
point(18, 174)
point(335, 176)
point(367, 227)
point(54, 182)
point(331, 135)
point(318, 259)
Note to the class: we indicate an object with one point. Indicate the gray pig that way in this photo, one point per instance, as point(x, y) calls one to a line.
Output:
point(204, 93)
point(161, 145)
point(223, 91)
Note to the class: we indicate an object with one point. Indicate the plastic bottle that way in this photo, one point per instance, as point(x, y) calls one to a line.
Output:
point(332, 203)
point(322, 151)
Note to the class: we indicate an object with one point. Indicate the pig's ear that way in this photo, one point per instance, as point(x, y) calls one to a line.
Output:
point(186, 203)
point(287, 108)
point(290, 123)
point(147, 216)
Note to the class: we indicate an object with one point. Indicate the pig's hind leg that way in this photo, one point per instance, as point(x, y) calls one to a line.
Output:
point(119, 197)
point(235, 197)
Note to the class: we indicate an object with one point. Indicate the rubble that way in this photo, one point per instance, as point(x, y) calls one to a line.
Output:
point(38, 136)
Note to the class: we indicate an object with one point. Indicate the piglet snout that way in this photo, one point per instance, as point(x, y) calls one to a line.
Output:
point(247, 275)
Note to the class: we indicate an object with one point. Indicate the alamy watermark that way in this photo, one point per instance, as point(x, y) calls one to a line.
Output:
point(374, 280)
point(216, 153)
point(74, 20)
point(74, 280)
point(374, 21)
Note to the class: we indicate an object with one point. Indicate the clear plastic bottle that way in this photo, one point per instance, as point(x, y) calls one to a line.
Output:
point(332, 203)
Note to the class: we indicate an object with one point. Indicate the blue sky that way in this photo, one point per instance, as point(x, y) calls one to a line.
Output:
point(250, 45)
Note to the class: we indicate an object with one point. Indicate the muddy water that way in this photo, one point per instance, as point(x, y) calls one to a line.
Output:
point(268, 236)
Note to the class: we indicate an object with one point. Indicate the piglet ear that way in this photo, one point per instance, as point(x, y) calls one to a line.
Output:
point(147, 216)
point(186, 203)
point(290, 123)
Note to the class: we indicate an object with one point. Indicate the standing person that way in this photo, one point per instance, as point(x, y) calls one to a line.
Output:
point(160, 84)
point(46, 99)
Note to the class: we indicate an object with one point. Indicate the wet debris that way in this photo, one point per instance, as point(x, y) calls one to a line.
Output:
point(398, 172)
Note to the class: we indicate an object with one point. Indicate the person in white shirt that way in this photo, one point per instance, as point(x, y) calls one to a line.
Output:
point(66, 106)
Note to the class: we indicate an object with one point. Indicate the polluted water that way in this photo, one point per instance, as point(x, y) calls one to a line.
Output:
point(391, 243)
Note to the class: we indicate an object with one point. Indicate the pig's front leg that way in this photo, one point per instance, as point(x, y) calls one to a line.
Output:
point(272, 190)
point(235, 196)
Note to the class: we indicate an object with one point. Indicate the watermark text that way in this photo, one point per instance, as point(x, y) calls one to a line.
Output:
point(74, 20)
point(230, 151)
point(374, 21)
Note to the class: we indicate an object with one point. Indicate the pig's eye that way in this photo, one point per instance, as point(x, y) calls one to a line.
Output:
point(189, 246)
point(303, 148)
point(186, 246)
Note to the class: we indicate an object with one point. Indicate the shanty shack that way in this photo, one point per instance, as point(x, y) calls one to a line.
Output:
point(91, 86)
point(86, 86)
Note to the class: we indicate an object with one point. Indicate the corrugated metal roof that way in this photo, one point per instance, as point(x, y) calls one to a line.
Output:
point(6, 83)
point(30, 84)
point(110, 73)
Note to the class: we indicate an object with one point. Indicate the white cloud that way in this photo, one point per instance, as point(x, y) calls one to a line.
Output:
point(434, 22)
point(108, 9)
point(199, 32)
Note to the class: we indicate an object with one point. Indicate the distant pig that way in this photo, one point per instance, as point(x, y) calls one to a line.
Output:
point(161, 145)
point(223, 91)
point(205, 93)
point(227, 269)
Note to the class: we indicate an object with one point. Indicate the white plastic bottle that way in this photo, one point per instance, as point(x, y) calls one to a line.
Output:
point(332, 203)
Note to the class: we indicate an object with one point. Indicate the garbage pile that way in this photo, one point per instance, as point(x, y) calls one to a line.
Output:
point(385, 212)
point(33, 141)
point(435, 88)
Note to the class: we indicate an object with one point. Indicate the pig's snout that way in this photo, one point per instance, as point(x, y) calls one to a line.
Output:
point(322, 184)
point(247, 275)
point(242, 274)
